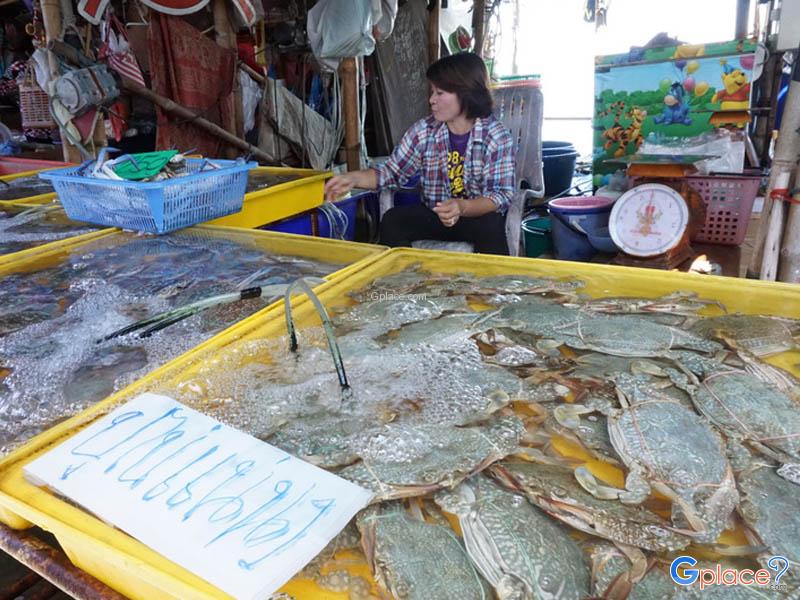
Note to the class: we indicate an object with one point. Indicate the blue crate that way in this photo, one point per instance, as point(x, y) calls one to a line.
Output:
point(301, 224)
point(153, 207)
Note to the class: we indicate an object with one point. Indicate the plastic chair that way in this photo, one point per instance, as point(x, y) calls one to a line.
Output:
point(519, 107)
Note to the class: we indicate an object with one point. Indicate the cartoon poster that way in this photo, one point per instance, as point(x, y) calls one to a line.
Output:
point(674, 98)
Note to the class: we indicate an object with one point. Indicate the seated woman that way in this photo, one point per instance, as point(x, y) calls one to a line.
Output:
point(465, 158)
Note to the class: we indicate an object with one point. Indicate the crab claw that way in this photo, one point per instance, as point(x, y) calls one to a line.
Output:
point(569, 415)
point(591, 484)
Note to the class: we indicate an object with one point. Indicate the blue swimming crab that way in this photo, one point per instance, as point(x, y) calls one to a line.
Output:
point(520, 550)
point(615, 575)
point(411, 559)
point(383, 315)
point(554, 489)
point(609, 334)
point(400, 460)
point(762, 335)
point(671, 309)
point(769, 506)
point(502, 289)
point(668, 447)
point(751, 410)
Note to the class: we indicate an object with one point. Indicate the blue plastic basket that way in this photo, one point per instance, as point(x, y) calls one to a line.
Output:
point(153, 207)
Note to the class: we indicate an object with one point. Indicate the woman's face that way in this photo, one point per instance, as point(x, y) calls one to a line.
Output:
point(444, 105)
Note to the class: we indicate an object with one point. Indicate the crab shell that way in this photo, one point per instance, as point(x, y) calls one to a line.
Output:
point(555, 490)
point(414, 560)
point(673, 450)
point(520, 550)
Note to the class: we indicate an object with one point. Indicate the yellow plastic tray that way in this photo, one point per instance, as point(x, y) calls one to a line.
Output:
point(137, 571)
point(323, 249)
point(36, 248)
point(38, 199)
point(46, 255)
point(278, 201)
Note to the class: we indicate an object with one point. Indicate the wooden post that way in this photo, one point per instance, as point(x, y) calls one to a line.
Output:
point(478, 10)
point(232, 118)
point(348, 70)
point(767, 84)
point(433, 32)
point(51, 16)
point(789, 259)
point(787, 150)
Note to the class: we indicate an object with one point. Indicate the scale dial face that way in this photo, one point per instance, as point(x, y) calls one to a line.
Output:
point(648, 220)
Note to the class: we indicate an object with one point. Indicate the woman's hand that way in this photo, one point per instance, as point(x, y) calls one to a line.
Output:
point(341, 184)
point(338, 186)
point(449, 211)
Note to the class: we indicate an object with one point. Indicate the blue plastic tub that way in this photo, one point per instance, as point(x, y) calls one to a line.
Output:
point(153, 207)
point(408, 193)
point(301, 224)
point(573, 219)
point(550, 148)
point(558, 172)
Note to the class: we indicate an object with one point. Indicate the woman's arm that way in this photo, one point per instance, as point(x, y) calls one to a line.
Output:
point(476, 207)
point(404, 161)
point(451, 209)
point(341, 184)
point(499, 181)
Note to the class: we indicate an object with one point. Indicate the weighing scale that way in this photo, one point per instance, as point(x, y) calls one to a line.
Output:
point(652, 223)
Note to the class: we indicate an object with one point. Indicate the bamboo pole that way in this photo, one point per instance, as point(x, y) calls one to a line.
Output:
point(789, 261)
point(478, 12)
point(433, 32)
point(51, 17)
point(787, 149)
point(181, 111)
point(258, 77)
point(232, 118)
point(773, 237)
point(352, 126)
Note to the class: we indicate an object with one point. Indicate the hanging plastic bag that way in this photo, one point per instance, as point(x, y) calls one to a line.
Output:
point(384, 13)
point(251, 98)
point(339, 29)
point(117, 51)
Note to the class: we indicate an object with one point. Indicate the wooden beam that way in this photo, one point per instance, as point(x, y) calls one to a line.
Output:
point(232, 118)
point(348, 71)
point(433, 32)
point(181, 111)
point(478, 11)
point(258, 77)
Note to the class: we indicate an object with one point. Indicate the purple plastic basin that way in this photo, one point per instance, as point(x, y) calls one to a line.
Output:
point(582, 204)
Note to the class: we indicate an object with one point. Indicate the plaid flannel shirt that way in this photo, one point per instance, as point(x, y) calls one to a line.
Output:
point(488, 166)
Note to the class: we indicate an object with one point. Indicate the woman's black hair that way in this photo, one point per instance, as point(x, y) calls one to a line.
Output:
point(464, 75)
